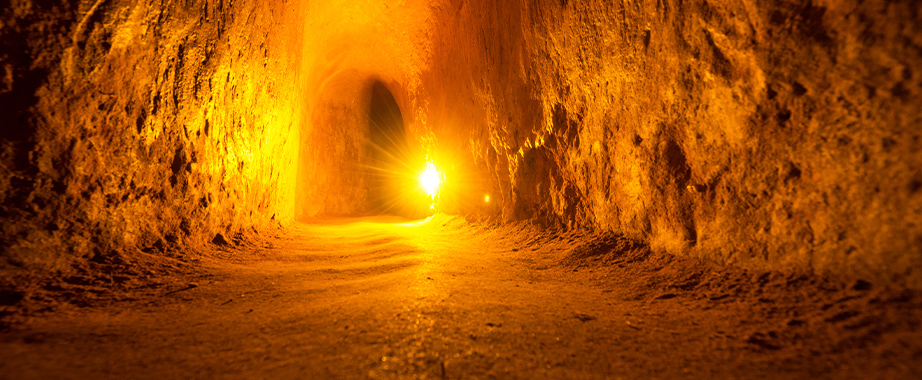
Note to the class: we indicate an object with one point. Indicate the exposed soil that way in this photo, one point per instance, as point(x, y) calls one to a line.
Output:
point(444, 298)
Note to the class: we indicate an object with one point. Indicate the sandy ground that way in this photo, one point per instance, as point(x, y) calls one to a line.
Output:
point(445, 299)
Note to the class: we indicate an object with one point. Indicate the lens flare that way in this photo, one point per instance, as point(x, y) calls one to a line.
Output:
point(430, 180)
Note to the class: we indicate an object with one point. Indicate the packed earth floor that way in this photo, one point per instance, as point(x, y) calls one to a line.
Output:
point(443, 298)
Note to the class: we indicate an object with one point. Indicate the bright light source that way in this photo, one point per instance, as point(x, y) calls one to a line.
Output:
point(486, 198)
point(429, 180)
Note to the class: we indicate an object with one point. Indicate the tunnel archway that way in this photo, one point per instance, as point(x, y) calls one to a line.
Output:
point(388, 155)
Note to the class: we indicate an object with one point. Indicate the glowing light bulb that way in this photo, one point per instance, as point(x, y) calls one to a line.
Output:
point(486, 198)
point(430, 180)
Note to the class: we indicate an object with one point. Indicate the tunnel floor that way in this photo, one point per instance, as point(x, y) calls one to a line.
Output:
point(443, 298)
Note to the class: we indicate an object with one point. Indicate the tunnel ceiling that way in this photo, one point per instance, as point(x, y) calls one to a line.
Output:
point(772, 134)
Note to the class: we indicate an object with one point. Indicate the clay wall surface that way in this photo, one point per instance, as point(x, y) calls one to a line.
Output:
point(777, 134)
point(139, 125)
point(773, 134)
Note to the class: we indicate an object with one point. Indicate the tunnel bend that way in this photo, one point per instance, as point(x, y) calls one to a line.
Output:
point(356, 157)
point(389, 154)
point(348, 47)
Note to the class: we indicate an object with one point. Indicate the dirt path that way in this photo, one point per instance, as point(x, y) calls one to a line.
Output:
point(445, 299)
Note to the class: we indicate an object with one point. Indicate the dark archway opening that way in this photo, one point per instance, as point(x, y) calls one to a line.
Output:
point(388, 155)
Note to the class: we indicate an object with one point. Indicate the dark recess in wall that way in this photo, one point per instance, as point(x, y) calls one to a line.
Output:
point(388, 154)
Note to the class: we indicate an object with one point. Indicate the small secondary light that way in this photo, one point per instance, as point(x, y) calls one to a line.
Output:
point(486, 198)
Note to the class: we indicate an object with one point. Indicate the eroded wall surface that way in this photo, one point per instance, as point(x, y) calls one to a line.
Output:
point(761, 133)
point(764, 133)
point(136, 125)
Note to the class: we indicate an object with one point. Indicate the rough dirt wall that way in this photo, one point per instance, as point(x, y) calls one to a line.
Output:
point(775, 133)
point(137, 125)
point(778, 134)
point(332, 150)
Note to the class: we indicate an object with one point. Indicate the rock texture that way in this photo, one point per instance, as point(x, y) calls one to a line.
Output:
point(133, 125)
point(772, 134)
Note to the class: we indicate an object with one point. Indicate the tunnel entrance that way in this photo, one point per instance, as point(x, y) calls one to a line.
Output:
point(388, 156)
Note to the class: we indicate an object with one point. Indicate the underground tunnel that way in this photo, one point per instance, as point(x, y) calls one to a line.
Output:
point(389, 158)
point(461, 189)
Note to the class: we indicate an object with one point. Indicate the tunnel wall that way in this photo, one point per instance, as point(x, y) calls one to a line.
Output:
point(144, 125)
point(771, 134)
point(332, 150)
